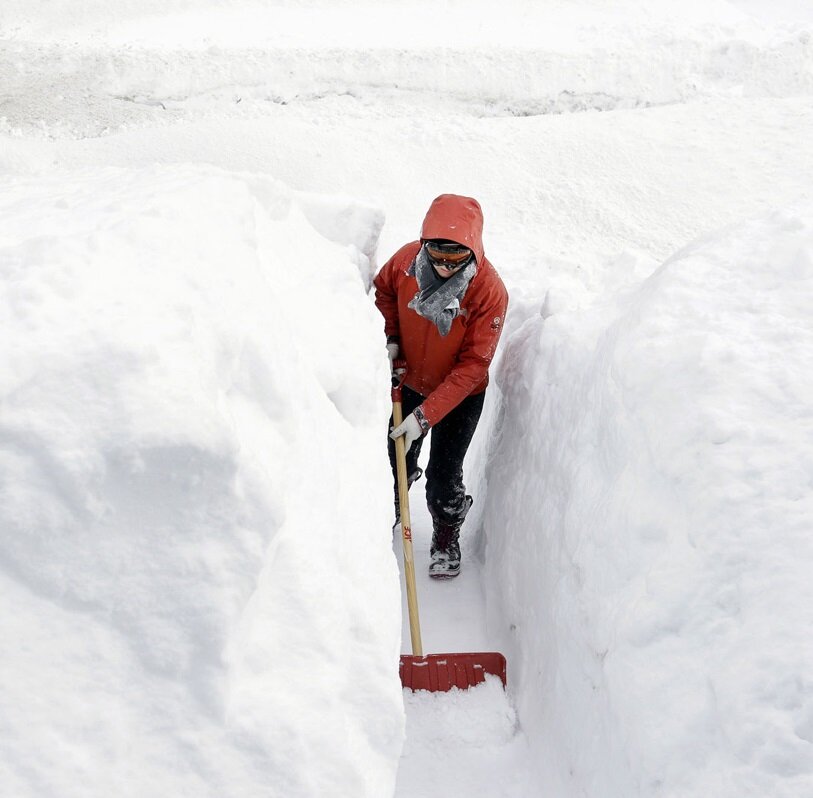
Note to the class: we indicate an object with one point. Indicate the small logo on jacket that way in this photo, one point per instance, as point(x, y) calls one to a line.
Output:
point(495, 324)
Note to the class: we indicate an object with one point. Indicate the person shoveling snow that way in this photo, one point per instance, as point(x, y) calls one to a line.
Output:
point(444, 309)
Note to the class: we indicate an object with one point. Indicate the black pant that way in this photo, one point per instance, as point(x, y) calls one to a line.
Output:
point(450, 439)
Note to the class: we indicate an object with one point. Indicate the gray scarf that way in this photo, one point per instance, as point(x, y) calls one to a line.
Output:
point(437, 299)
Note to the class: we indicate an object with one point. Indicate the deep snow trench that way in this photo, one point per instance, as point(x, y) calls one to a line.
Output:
point(195, 560)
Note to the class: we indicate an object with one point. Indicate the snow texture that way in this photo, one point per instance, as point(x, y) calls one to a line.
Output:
point(199, 591)
point(178, 613)
point(661, 511)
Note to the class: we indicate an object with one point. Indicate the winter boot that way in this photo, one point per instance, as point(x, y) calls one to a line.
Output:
point(445, 562)
point(445, 548)
point(413, 477)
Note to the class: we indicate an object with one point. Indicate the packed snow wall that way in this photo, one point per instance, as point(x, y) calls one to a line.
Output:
point(198, 598)
point(648, 523)
point(144, 62)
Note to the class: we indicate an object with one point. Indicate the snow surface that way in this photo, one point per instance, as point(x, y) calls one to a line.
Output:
point(665, 592)
point(198, 595)
point(178, 541)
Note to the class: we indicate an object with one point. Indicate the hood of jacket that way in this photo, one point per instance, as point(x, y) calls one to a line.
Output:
point(458, 219)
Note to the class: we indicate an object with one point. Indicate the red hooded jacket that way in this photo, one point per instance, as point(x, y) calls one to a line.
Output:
point(445, 369)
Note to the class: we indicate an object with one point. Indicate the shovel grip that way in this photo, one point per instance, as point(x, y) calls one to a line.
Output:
point(398, 377)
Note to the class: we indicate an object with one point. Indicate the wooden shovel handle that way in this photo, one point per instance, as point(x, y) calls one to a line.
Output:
point(406, 534)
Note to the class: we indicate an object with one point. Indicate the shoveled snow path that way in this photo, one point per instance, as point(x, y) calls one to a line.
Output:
point(461, 742)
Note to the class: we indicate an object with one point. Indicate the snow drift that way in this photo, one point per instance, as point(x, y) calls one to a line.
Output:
point(193, 486)
point(140, 62)
point(192, 492)
point(651, 484)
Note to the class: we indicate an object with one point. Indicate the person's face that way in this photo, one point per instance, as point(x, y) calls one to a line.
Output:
point(447, 258)
point(444, 271)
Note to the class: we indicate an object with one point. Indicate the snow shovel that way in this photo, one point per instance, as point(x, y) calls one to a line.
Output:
point(419, 671)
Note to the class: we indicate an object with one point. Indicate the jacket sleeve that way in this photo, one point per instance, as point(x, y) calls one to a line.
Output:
point(475, 356)
point(386, 294)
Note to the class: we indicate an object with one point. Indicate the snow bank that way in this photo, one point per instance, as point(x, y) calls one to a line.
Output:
point(197, 595)
point(652, 487)
point(139, 62)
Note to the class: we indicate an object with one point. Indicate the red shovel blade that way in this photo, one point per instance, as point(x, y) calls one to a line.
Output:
point(441, 672)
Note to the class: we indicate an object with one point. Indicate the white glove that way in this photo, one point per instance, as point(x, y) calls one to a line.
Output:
point(392, 353)
point(410, 428)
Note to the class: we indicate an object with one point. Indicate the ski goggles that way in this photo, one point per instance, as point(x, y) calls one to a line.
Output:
point(448, 254)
